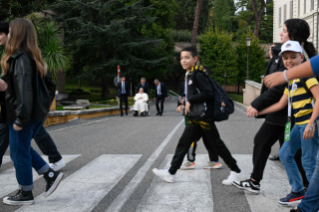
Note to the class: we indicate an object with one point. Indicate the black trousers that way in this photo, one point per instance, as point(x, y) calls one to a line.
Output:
point(160, 100)
point(123, 98)
point(209, 130)
point(191, 153)
point(265, 138)
point(43, 140)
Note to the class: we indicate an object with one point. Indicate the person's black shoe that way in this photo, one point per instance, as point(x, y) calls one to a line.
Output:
point(21, 198)
point(121, 114)
point(126, 114)
point(143, 114)
point(274, 157)
point(53, 179)
point(157, 114)
point(248, 185)
point(161, 114)
point(135, 113)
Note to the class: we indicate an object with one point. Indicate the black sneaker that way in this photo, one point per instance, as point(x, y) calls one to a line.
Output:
point(296, 210)
point(247, 185)
point(53, 179)
point(21, 198)
point(274, 157)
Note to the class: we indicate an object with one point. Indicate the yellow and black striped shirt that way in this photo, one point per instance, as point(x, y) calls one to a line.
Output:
point(301, 100)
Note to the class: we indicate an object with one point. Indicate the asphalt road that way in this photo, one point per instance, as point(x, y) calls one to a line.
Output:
point(114, 156)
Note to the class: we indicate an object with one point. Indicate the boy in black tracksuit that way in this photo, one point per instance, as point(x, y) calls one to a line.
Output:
point(197, 80)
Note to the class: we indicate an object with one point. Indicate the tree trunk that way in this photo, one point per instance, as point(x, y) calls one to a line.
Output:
point(60, 78)
point(196, 21)
point(258, 14)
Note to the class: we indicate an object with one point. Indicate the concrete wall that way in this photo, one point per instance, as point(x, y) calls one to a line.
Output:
point(251, 92)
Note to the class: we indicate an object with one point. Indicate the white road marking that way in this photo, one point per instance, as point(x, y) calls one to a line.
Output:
point(84, 189)
point(136, 180)
point(274, 185)
point(6, 159)
point(8, 182)
point(190, 192)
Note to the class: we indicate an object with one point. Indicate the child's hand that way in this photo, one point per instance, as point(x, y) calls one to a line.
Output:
point(252, 112)
point(309, 134)
point(180, 108)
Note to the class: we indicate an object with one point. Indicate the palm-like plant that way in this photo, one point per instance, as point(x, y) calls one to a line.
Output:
point(49, 42)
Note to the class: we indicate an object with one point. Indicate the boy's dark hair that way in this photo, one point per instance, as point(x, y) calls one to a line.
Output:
point(4, 27)
point(192, 50)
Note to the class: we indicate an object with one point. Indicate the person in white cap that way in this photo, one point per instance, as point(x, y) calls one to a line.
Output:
point(299, 95)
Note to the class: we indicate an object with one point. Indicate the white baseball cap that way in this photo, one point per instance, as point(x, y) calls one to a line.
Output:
point(291, 46)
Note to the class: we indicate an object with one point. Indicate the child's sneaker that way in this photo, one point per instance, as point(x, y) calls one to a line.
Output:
point(213, 165)
point(233, 176)
point(292, 198)
point(58, 165)
point(53, 179)
point(21, 198)
point(188, 165)
point(247, 185)
point(164, 174)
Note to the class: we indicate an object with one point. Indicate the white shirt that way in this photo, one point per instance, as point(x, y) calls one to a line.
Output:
point(159, 89)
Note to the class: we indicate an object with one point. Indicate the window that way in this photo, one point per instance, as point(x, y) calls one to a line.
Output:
point(312, 4)
point(304, 6)
point(285, 12)
point(291, 10)
point(298, 8)
point(279, 14)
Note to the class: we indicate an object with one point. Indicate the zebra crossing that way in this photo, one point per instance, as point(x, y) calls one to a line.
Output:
point(85, 188)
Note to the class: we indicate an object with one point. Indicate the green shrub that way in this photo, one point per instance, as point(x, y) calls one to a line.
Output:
point(218, 53)
point(182, 35)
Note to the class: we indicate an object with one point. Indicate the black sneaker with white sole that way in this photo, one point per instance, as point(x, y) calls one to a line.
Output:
point(21, 198)
point(53, 179)
point(247, 185)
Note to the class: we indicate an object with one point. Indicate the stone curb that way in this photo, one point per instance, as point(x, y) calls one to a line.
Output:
point(81, 112)
point(240, 106)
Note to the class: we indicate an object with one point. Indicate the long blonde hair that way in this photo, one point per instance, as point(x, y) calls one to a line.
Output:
point(23, 36)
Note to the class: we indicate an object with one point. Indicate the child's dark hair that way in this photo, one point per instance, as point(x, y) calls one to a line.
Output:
point(299, 30)
point(192, 50)
point(4, 27)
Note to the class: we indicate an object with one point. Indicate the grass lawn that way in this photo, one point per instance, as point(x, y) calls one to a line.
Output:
point(236, 97)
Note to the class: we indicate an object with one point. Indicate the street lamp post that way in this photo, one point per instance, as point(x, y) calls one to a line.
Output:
point(248, 42)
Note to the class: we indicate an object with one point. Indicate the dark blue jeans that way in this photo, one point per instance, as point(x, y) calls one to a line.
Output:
point(23, 155)
point(311, 201)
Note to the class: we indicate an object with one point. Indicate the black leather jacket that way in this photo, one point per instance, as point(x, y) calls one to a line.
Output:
point(21, 92)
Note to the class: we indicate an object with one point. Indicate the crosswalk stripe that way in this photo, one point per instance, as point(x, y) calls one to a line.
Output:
point(8, 182)
point(274, 185)
point(6, 159)
point(190, 192)
point(84, 189)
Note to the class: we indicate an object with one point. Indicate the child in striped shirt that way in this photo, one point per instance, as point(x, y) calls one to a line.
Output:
point(304, 134)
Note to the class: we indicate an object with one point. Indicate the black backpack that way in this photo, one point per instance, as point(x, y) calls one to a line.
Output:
point(222, 104)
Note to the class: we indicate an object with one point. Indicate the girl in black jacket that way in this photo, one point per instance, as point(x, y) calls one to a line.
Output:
point(23, 69)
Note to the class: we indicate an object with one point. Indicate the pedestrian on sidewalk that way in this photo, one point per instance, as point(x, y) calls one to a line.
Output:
point(304, 134)
point(213, 162)
point(123, 92)
point(27, 105)
point(43, 139)
point(273, 127)
point(308, 69)
point(160, 96)
point(199, 90)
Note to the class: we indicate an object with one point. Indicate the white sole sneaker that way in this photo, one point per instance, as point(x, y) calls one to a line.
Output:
point(9, 202)
point(54, 186)
point(297, 202)
point(164, 174)
point(58, 165)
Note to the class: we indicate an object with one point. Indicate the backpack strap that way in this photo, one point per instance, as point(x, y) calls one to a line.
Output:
point(303, 83)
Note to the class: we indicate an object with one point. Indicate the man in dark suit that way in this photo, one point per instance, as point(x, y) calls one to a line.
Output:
point(123, 92)
point(143, 84)
point(160, 96)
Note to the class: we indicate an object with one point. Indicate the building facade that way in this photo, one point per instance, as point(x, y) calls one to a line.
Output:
point(304, 9)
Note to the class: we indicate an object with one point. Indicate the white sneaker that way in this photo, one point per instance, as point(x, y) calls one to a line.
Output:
point(58, 165)
point(233, 176)
point(165, 175)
